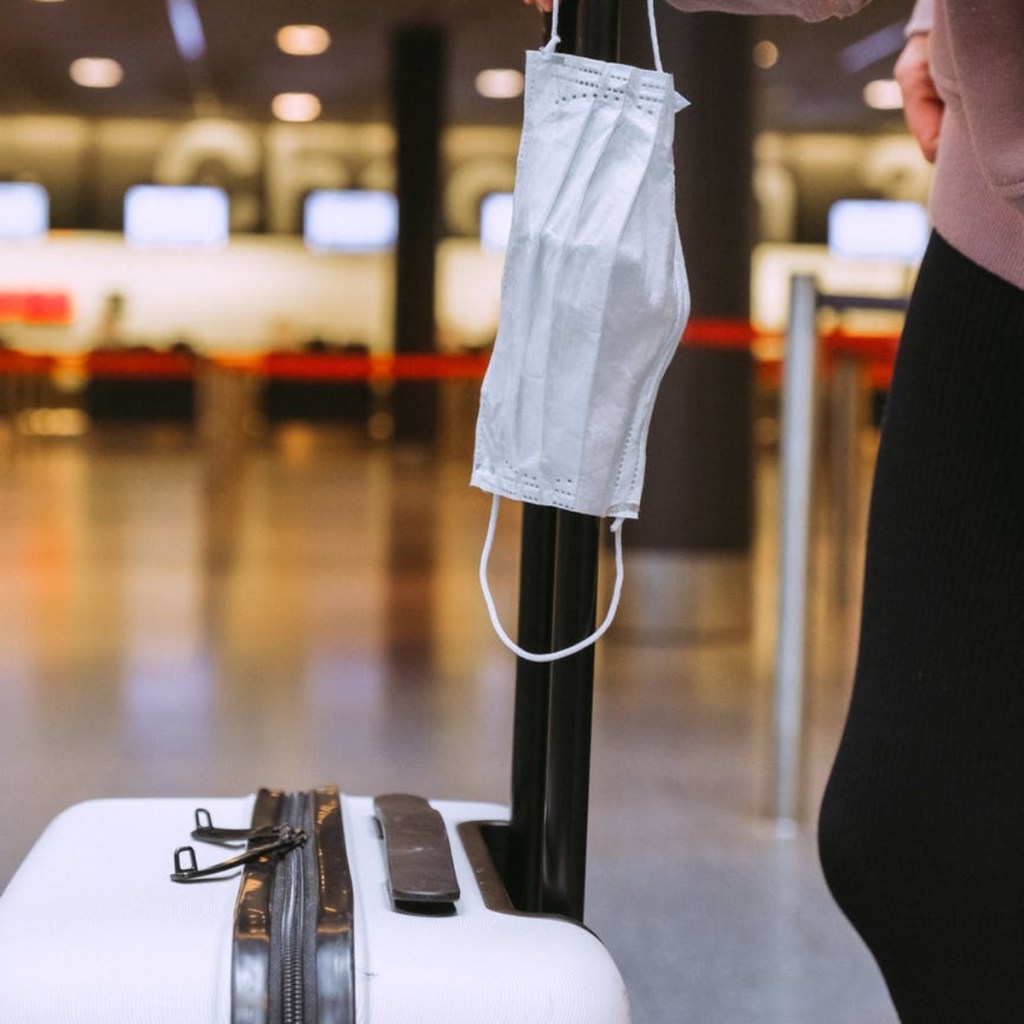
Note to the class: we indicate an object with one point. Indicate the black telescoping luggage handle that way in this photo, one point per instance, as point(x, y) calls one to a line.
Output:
point(547, 843)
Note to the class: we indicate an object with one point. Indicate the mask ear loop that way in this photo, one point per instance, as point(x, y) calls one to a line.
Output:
point(566, 652)
point(553, 42)
point(654, 35)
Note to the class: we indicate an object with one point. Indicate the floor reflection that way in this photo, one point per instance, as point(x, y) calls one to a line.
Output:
point(303, 607)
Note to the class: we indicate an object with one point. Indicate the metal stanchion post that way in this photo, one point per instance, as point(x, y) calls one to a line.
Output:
point(797, 454)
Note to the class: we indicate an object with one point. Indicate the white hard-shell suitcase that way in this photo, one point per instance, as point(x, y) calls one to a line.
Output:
point(93, 930)
point(318, 908)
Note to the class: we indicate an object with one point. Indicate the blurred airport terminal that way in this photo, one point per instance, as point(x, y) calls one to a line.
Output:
point(250, 268)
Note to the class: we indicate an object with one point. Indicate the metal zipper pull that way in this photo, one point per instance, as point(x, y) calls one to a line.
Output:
point(206, 832)
point(186, 869)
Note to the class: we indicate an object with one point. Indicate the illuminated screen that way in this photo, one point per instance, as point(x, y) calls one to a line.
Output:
point(350, 220)
point(176, 215)
point(878, 229)
point(24, 209)
point(495, 220)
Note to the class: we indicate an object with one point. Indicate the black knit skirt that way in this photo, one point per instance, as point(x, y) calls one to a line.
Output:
point(922, 827)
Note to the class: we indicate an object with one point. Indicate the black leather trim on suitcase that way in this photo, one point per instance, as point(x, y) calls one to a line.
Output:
point(250, 968)
point(293, 950)
point(335, 948)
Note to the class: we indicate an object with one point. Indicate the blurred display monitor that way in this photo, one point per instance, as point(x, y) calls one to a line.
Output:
point(878, 229)
point(24, 209)
point(350, 220)
point(176, 215)
point(495, 220)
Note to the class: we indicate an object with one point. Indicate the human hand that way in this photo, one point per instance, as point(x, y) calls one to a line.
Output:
point(922, 106)
point(542, 5)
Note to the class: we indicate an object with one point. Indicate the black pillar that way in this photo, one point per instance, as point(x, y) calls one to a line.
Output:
point(698, 494)
point(418, 89)
point(710, 55)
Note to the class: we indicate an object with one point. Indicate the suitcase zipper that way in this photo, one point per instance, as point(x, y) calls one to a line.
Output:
point(292, 948)
point(291, 877)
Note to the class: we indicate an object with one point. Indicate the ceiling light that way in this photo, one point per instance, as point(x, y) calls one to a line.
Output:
point(96, 72)
point(303, 40)
point(295, 106)
point(766, 54)
point(883, 94)
point(500, 83)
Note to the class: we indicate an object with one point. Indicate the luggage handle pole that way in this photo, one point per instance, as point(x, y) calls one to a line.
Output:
point(572, 680)
point(571, 715)
point(531, 715)
point(525, 855)
point(558, 605)
point(547, 842)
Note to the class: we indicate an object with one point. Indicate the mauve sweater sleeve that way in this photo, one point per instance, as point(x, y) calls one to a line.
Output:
point(986, 41)
point(922, 17)
point(808, 10)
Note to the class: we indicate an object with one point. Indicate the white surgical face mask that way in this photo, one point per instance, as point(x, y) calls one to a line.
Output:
point(594, 294)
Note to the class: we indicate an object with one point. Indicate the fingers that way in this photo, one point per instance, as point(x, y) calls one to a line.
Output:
point(922, 106)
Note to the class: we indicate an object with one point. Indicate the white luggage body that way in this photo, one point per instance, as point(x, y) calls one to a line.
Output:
point(93, 931)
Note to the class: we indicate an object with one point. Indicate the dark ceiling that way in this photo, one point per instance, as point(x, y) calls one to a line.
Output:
point(816, 84)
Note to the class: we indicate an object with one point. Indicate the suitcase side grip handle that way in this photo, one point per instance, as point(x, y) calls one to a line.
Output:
point(421, 873)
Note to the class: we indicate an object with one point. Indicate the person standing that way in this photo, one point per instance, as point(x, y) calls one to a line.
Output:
point(921, 830)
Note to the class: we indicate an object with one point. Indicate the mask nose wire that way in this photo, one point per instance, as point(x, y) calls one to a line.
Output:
point(575, 648)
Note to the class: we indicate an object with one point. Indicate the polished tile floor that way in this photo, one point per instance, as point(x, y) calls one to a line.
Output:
point(177, 619)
